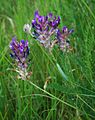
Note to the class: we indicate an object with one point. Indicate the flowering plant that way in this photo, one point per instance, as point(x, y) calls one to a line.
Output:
point(45, 30)
point(44, 27)
point(20, 52)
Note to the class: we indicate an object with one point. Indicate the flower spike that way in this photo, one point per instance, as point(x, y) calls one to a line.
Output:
point(45, 30)
point(20, 52)
point(62, 37)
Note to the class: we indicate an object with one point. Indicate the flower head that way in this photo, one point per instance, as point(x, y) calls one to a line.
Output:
point(20, 52)
point(45, 30)
point(62, 37)
point(44, 27)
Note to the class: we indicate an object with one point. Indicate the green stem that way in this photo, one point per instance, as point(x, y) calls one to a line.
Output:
point(54, 97)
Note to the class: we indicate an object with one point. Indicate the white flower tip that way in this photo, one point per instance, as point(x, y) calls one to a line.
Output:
point(27, 28)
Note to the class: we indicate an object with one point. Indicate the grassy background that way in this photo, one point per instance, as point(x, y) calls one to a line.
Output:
point(70, 93)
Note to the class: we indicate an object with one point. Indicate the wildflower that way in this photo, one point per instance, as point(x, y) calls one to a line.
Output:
point(20, 52)
point(45, 30)
point(44, 27)
point(62, 37)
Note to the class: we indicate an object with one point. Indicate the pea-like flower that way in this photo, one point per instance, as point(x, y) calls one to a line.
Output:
point(20, 52)
point(45, 30)
point(44, 27)
point(62, 37)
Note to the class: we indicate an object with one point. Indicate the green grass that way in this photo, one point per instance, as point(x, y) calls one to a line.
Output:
point(70, 93)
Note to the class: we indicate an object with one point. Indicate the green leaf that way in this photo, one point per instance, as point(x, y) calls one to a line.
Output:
point(61, 71)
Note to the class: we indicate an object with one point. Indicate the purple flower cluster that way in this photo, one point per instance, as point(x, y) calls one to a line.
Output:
point(62, 37)
point(45, 30)
point(44, 27)
point(20, 52)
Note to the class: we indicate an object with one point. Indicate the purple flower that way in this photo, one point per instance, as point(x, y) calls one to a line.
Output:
point(54, 22)
point(44, 27)
point(62, 37)
point(20, 52)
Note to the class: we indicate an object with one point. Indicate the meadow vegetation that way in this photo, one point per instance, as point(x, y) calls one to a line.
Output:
point(69, 77)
